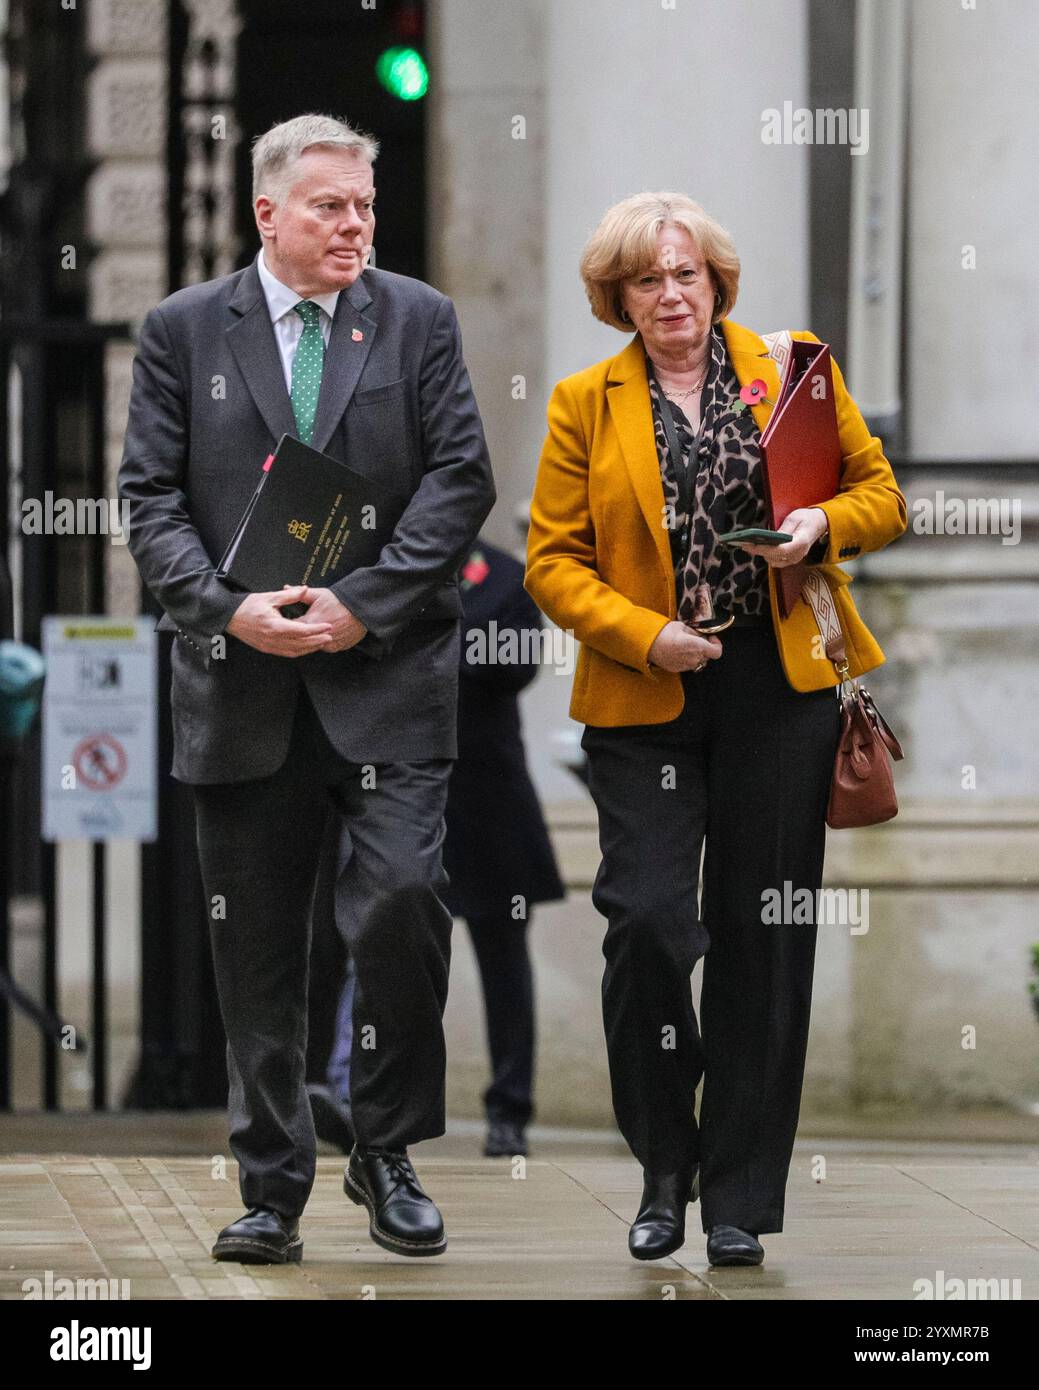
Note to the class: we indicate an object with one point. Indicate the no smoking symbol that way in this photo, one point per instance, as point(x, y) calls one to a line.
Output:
point(100, 762)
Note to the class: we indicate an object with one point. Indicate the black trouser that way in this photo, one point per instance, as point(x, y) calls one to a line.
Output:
point(501, 951)
point(259, 846)
point(746, 766)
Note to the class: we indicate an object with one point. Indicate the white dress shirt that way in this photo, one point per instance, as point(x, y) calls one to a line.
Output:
point(288, 326)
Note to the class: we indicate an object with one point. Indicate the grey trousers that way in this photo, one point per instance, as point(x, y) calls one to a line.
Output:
point(259, 845)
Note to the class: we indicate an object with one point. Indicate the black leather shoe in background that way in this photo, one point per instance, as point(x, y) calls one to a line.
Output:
point(659, 1228)
point(504, 1138)
point(401, 1217)
point(728, 1245)
point(260, 1237)
point(332, 1119)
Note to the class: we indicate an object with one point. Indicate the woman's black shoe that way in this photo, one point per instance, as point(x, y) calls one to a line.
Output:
point(401, 1217)
point(659, 1228)
point(728, 1245)
point(260, 1237)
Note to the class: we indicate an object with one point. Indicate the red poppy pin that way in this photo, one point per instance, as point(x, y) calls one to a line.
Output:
point(357, 336)
point(754, 393)
point(475, 570)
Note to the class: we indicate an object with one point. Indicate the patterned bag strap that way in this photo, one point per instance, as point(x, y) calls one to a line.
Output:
point(815, 591)
point(780, 346)
point(817, 594)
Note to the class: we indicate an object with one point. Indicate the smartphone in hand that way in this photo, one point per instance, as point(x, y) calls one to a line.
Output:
point(755, 535)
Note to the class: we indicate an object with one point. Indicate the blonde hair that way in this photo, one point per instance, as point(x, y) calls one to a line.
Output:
point(625, 244)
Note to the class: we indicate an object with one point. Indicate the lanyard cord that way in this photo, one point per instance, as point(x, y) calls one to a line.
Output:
point(680, 466)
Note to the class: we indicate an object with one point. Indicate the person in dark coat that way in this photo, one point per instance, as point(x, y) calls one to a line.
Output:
point(497, 851)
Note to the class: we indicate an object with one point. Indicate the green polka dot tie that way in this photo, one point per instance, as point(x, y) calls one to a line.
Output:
point(307, 367)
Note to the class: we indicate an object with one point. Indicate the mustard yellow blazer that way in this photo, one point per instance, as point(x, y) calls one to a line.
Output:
point(598, 555)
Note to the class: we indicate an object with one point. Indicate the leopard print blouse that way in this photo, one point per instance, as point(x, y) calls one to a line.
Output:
point(728, 493)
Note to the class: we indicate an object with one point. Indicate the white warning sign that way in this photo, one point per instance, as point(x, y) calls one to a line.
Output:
point(99, 729)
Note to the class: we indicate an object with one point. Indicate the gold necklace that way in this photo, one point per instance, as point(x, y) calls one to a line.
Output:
point(681, 395)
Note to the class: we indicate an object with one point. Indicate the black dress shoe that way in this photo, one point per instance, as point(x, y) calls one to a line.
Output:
point(659, 1228)
point(402, 1217)
point(504, 1138)
point(332, 1119)
point(260, 1237)
point(728, 1245)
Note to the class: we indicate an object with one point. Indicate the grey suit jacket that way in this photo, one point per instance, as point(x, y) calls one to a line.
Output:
point(208, 405)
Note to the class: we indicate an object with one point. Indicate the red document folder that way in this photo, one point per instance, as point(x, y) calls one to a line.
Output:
point(801, 449)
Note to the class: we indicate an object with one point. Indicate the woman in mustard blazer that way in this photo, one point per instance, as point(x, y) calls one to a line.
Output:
point(711, 720)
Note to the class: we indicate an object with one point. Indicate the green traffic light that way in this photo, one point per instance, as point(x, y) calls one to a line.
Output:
point(403, 72)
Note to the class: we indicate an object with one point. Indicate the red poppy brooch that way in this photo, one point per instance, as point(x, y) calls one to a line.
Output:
point(475, 570)
point(754, 393)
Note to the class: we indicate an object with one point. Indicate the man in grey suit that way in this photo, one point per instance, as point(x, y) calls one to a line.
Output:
point(350, 705)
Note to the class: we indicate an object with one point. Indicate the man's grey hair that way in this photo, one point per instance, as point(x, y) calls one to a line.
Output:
point(275, 154)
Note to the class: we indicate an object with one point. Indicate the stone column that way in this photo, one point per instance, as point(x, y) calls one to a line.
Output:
point(487, 221)
point(973, 291)
point(126, 208)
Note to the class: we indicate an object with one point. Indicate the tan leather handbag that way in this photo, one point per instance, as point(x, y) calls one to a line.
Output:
point(862, 791)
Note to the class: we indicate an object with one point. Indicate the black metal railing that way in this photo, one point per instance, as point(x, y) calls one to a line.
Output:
point(55, 429)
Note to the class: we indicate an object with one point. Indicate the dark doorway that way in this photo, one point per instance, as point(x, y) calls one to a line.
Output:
point(322, 56)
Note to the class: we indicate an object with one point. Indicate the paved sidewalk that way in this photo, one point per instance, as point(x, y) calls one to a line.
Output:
point(882, 1218)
